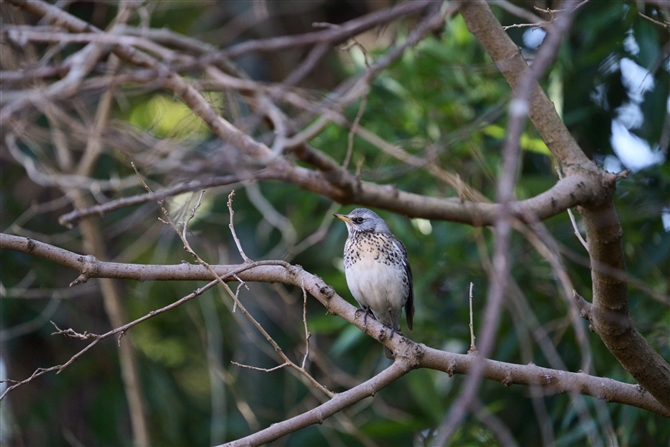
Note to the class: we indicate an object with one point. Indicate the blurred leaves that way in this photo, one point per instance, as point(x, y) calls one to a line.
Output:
point(443, 101)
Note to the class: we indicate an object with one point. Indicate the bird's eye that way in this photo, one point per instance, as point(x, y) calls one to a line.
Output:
point(357, 220)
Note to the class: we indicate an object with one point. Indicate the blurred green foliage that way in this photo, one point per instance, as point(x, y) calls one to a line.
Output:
point(445, 95)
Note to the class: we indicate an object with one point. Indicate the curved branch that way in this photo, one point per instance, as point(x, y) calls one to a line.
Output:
point(546, 378)
point(567, 193)
point(594, 191)
point(506, 55)
point(609, 312)
point(342, 187)
point(317, 415)
point(335, 182)
point(412, 355)
point(70, 219)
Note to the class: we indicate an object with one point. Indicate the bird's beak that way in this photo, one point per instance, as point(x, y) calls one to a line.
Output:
point(343, 217)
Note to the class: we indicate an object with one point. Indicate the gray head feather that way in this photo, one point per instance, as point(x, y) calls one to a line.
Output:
point(364, 220)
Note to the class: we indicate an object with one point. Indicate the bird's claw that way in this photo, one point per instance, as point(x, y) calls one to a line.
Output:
point(365, 315)
point(393, 331)
point(366, 311)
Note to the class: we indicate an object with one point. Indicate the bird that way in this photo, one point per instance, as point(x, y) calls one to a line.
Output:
point(377, 270)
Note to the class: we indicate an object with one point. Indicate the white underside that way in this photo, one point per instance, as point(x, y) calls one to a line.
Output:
point(385, 295)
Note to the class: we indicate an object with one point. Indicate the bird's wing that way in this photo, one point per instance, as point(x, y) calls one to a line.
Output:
point(409, 304)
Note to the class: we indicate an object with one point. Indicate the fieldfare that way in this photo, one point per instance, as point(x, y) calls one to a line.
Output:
point(377, 270)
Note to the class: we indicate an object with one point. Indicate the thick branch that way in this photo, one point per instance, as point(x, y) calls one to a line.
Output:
point(549, 379)
point(90, 267)
point(567, 193)
point(609, 313)
point(342, 187)
point(483, 24)
point(412, 354)
point(417, 355)
point(332, 181)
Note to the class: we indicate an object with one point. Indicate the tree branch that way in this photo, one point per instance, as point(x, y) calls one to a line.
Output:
point(413, 355)
point(318, 414)
point(609, 313)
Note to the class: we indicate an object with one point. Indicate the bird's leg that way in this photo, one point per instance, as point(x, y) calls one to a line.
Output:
point(365, 316)
point(366, 311)
point(393, 330)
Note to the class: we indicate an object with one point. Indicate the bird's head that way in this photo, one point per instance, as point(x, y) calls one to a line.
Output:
point(364, 220)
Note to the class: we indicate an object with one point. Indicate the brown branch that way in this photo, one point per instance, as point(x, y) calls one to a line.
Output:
point(121, 330)
point(412, 354)
point(590, 188)
point(609, 313)
point(90, 267)
point(546, 378)
point(342, 187)
point(318, 414)
point(518, 110)
point(583, 305)
point(331, 35)
point(70, 219)
point(482, 23)
point(417, 356)
point(334, 182)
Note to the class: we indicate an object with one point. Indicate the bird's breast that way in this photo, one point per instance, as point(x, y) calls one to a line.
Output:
point(376, 275)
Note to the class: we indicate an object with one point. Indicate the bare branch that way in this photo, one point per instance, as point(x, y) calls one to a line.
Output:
point(572, 219)
point(304, 320)
point(281, 272)
point(72, 218)
point(525, 87)
point(231, 225)
point(473, 347)
point(317, 415)
point(97, 338)
point(609, 313)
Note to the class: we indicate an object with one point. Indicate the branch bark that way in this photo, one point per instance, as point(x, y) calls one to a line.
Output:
point(412, 355)
point(336, 183)
point(609, 314)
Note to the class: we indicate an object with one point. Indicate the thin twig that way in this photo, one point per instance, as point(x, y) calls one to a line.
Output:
point(70, 219)
point(256, 368)
point(572, 218)
point(656, 22)
point(308, 335)
point(168, 220)
point(473, 347)
point(354, 129)
point(232, 227)
point(119, 330)
point(192, 215)
point(71, 333)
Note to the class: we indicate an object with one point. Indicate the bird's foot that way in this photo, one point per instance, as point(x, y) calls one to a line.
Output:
point(366, 311)
point(365, 317)
point(394, 331)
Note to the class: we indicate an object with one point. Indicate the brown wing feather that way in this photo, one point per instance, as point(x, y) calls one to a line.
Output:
point(409, 305)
